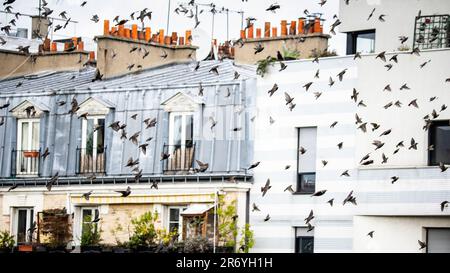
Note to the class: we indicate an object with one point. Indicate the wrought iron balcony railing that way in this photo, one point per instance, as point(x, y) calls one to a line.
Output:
point(25, 162)
point(181, 158)
point(91, 161)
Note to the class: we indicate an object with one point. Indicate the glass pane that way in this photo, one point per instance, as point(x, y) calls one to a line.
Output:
point(173, 226)
point(365, 43)
point(100, 135)
point(174, 215)
point(35, 136)
point(442, 144)
point(307, 183)
point(21, 226)
point(177, 127)
point(89, 136)
point(439, 240)
point(189, 130)
point(25, 133)
point(307, 245)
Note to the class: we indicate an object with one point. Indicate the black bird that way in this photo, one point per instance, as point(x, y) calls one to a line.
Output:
point(394, 179)
point(87, 195)
point(421, 244)
point(273, 90)
point(126, 192)
point(444, 205)
point(310, 217)
point(13, 187)
point(442, 167)
point(254, 165)
point(371, 234)
point(255, 208)
point(52, 181)
point(319, 193)
point(273, 7)
point(266, 187)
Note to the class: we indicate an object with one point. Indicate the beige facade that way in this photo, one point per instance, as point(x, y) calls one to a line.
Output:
point(304, 44)
point(15, 64)
point(116, 54)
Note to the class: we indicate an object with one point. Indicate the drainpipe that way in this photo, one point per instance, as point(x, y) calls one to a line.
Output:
point(241, 89)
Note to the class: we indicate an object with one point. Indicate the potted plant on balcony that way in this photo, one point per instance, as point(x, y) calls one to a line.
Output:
point(30, 154)
point(6, 242)
point(144, 233)
point(55, 226)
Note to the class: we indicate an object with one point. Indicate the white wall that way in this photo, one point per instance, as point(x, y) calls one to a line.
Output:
point(276, 147)
point(400, 18)
point(393, 234)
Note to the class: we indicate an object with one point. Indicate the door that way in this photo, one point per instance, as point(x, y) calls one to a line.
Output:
point(92, 153)
point(27, 157)
point(23, 223)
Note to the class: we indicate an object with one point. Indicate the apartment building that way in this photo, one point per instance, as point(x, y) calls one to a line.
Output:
point(320, 145)
point(166, 116)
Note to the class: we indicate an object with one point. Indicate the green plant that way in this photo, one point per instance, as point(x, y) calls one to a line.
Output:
point(227, 224)
point(6, 240)
point(196, 223)
point(289, 54)
point(144, 231)
point(166, 238)
point(403, 48)
point(91, 235)
point(262, 65)
point(247, 241)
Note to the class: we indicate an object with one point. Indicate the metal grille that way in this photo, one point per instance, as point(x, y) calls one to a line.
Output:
point(25, 162)
point(90, 161)
point(181, 158)
point(432, 32)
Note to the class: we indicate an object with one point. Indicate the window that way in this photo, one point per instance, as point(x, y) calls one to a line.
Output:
point(438, 240)
point(87, 216)
point(181, 146)
point(175, 219)
point(24, 218)
point(432, 31)
point(439, 140)
point(304, 240)
point(306, 178)
point(361, 41)
point(92, 152)
point(27, 154)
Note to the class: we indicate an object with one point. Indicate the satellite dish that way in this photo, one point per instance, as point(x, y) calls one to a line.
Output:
point(203, 40)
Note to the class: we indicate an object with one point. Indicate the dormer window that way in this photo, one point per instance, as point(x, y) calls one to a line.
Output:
point(26, 156)
point(182, 109)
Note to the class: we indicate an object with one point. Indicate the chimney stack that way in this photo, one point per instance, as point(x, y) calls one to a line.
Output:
point(136, 49)
point(302, 36)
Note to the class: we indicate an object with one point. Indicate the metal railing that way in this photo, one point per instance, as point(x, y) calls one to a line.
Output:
point(432, 31)
point(25, 162)
point(91, 160)
point(181, 158)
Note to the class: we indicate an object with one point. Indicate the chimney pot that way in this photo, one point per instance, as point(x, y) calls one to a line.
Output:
point(258, 33)
point(46, 46)
point(317, 25)
point(91, 55)
point(181, 41)
point(81, 46)
point(121, 31)
point(188, 37)
point(301, 26)
point(106, 27)
point(148, 34)
point(283, 28)
point(274, 32)
point(161, 36)
point(243, 34)
point(267, 30)
point(250, 34)
point(293, 28)
point(174, 38)
point(54, 47)
point(134, 32)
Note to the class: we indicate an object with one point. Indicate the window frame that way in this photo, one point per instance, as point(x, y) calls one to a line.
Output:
point(431, 134)
point(20, 148)
point(81, 222)
point(298, 190)
point(298, 238)
point(180, 218)
point(84, 129)
point(29, 222)
point(427, 229)
point(352, 38)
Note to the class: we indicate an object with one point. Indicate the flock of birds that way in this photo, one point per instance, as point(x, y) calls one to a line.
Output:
point(188, 11)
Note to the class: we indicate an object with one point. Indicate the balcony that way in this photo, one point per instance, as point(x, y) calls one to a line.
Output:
point(25, 162)
point(91, 161)
point(181, 158)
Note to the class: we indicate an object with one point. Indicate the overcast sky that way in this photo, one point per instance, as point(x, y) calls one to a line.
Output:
point(108, 9)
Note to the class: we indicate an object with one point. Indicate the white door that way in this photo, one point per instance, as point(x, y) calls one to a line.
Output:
point(24, 218)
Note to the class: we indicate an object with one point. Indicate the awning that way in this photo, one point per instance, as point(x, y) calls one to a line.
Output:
point(196, 209)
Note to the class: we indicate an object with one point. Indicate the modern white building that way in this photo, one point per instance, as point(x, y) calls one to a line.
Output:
point(399, 214)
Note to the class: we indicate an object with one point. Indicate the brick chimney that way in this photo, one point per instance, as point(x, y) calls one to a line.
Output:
point(302, 35)
point(122, 50)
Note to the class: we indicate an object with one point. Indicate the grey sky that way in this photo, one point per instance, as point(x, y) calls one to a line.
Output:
point(108, 9)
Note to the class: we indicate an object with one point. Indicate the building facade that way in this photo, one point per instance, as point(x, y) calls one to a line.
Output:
point(397, 194)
